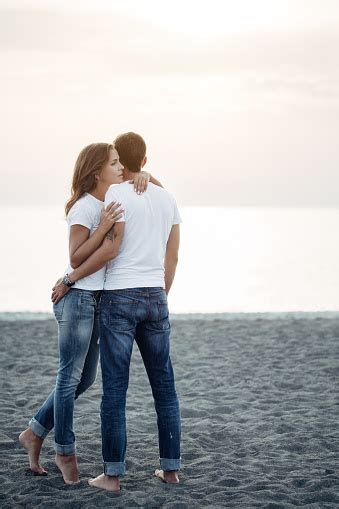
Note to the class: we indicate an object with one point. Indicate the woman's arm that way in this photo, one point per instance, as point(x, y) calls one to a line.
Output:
point(141, 180)
point(81, 245)
point(108, 250)
point(155, 181)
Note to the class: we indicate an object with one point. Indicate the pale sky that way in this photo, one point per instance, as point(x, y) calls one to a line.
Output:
point(238, 100)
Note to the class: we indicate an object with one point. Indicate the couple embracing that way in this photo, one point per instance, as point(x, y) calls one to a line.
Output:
point(123, 245)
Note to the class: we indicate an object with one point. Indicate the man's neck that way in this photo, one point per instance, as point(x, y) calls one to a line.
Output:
point(129, 175)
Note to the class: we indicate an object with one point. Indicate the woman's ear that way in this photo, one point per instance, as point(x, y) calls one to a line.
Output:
point(144, 162)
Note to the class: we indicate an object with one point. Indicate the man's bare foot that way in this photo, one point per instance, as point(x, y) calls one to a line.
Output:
point(32, 443)
point(68, 467)
point(170, 476)
point(105, 482)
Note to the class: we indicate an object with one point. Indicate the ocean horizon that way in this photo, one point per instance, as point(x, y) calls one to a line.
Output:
point(209, 317)
point(231, 261)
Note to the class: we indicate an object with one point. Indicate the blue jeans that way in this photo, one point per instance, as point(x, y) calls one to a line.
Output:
point(77, 315)
point(140, 314)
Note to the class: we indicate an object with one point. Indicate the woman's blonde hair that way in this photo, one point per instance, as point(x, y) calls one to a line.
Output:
point(89, 163)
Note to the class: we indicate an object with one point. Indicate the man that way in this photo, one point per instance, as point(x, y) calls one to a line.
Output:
point(134, 305)
point(144, 253)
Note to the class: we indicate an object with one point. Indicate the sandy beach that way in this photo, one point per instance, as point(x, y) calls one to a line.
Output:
point(260, 408)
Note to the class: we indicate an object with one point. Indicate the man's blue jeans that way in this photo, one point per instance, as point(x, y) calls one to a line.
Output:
point(77, 315)
point(140, 314)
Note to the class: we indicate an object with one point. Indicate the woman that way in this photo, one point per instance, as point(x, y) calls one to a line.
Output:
point(77, 314)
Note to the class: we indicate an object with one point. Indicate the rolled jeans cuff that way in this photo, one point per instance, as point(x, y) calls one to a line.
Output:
point(167, 464)
point(38, 429)
point(114, 469)
point(65, 450)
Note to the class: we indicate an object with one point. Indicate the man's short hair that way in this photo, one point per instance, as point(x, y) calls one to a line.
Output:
point(131, 149)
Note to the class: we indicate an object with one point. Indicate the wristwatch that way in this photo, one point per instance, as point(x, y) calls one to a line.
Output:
point(67, 282)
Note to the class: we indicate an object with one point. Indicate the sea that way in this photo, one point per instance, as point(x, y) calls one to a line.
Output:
point(232, 261)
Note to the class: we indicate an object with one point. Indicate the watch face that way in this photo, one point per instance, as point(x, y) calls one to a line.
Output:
point(66, 281)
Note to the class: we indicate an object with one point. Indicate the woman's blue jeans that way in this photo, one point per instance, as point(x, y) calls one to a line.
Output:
point(77, 315)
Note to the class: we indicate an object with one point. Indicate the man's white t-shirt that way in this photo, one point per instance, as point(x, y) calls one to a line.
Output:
point(87, 211)
point(148, 218)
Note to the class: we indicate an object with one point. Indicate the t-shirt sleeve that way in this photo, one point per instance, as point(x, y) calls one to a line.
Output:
point(79, 214)
point(176, 215)
point(113, 195)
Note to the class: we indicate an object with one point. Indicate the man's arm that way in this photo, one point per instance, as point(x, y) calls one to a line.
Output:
point(171, 256)
point(107, 251)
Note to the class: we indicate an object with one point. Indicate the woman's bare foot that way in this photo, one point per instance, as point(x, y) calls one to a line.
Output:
point(170, 477)
point(68, 467)
point(32, 443)
point(105, 482)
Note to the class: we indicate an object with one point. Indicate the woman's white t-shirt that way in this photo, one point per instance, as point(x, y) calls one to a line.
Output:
point(87, 211)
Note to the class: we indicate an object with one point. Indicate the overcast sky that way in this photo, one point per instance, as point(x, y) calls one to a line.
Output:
point(238, 101)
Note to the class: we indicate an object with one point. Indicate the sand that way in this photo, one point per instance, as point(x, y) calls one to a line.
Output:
point(260, 410)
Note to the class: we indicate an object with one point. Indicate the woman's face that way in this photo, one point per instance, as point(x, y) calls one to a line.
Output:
point(112, 171)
